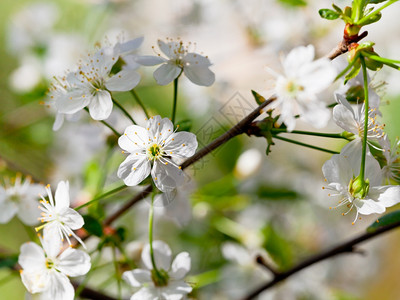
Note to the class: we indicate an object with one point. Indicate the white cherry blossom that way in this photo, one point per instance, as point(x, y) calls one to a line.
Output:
point(298, 86)
point(45, 270)
point(391, 170)
point(341, 173)
point(171, 286)
point(152, 150)
point(21, 199)
point(59, 219)
point(180, 58)
point(90, 85)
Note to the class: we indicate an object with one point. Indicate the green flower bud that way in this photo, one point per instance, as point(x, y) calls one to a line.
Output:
point(358, 187)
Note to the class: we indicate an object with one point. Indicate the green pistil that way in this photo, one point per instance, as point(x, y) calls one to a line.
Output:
point(49, 263)
point(155, 151)
point(159, 277)
point(358, 187)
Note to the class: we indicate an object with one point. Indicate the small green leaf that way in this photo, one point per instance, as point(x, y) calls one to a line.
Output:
point(376, 1)
point(93, 226)
point(353, 73)
point(185, 125)
point(386, 220)
point(337, 8)
point(259, 99)
point(8, 261)
point(328, 14)
point(371, 19)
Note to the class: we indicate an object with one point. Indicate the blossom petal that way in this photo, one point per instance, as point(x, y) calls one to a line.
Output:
point(134, 169)
point(200, 75)
point(51, 241)
point(8, 209)
point(129, 46)
point(180, 266)
point(370, 207)
point(137, 277)
point(166, 73)
point(345, 118)
point(101, 105)
point(60, 287)
point(134, 139)
point(197, 59)
point(387, 195)
point(176, 290)
point(71, 218)
point(32, 257)
point(124, 80)
point(72, 103)
point(160, 129)
point(36, 281)
point(62, 195)
point(145, 294)
point(74, 262)
point(58, 122)
point(316, 76)
point(337, 170)
point(149, 60)
point(181, 144)
point(28, 211)
point(298, 57)
point(167, 176)
point(162, 255)
point(316, 114)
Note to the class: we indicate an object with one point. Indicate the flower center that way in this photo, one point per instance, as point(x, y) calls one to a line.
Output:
point(292, 88)
point(159, 278)
point(49, 263)
point(154, 152)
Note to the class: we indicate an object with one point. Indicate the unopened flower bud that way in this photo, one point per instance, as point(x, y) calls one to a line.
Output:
point(358, 187)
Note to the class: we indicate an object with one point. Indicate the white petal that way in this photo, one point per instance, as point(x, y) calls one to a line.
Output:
point(36, 281)
point(148, 60)
point(101, 105)
point(134, 139)
point(62, 195)
point(338, 170)
point(146, 294)
point(8, 209)
point(200, 75)
point(168, 48)
point(31, 257)
point(181, 144)
point(28, 211)
point(180, 266)
point(137, 277)
point(124, 80)
point(176, 290)
point(71, 218)
point(159, 129)
point(298, 57)
point(345, 118)
point(71, 103)
point(129, 46)
point(387, 195)
point(51, 241)
point(167, 176)
point(134, 169)
point(316, 114)
point(74, 262)
point(60, 287)
point(166, 73)
point(370, 207)
point(58, 122)
point(162, 255)
point(317, 75)
point(197, 59)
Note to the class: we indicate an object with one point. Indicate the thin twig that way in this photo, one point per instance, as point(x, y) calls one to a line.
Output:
point(347, 247)
point(343, 46)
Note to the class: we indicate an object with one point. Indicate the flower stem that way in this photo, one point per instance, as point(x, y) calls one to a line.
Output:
point(305, 145)
point(117, 273)
point(123, 110)
point(175, 99)
point(321, 134)
point(139, 101)
point(389, 62)
point(151, 214)
point(106, 194)
point(366, 108)
point(107, 125)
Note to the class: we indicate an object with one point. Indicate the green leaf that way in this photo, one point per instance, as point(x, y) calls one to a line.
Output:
point(376, 1)
point(293, 3)
point(185, 125)
point(8, 261)
point(93, 226)
point(259, 99)
point(337, 8)
point(353, 73)
point(328, 14)
point(278, 247)
point(386, 220)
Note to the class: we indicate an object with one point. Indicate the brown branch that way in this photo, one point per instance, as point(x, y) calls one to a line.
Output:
point(239, 128)
point(344, 45)
point(347, 247)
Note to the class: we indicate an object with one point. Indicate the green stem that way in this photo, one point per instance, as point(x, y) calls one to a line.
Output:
point(346, 69)
point(151, 214)
point(376, 11)
point(106, 124)
point(305, 145)
point(123, 110)
point(106, 194)
point(175, 99)
point(389, 62)
point(366, 108)
point(139, 101)
point(117, 275)
point(321, 134)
